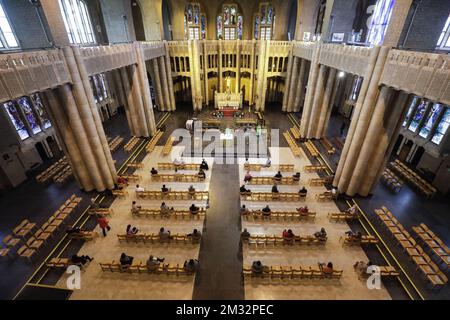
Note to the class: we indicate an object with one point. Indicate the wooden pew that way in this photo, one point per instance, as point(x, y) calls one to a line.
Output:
point(314, 168)
point(274, 240)
point(176, 214)
point(152, 144)
point(141, 268)
point(178, 177)
point(272, 180)
point(171, 166)
point(269, 196)
point(285, 215)
point(168, 146)
point(153, 238)
point(172, 195)
point(291, 273)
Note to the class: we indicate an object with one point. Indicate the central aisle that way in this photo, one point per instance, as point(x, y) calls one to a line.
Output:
point(220, 253)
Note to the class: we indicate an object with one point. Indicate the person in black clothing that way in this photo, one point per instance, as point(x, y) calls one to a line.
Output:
point(204, 165)
point(266, 210)
point(275, 189)
point(242, 189)
point(296, 176)
point(73, 230)
point(126, 260)
point(202, 174)
point(303, 191)
point(194, 209)
point(164, 188)
point(80, 259)
point(278, 176)
point(154, 171)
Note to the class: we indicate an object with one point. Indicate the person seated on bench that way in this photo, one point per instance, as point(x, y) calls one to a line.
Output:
point(191, 191)
point(267, 164)
point(195, 235)
point(246, 163)
point(135, 208)
point(361, 267)
point(248, 177)
point(243, 211)
point(352, 210)
point(288, 236)
point(164, 189)
point(165, 210)
point(296, 177)
point(71, 230)
point(326, 269)
point(153, 263)
point(131, 231)
point(153, 171)
point(275, 189)
point(334, 193)
point(76, 259)
point(139, 189)
point(278, 176)
point(204, 165)
point(193, 209)
point(304, 211)
point(117, 186)
point(164, 235)
point(176, 174)
point(201, 174)
point(122, 180)
point(266, 211)
point(303, 192)
point(321, 235)
point(242, 189)
point(126, 261)
point(178, 162)
point(191, 265)
point(354, 236)
point(257, 267)
point(245, 235)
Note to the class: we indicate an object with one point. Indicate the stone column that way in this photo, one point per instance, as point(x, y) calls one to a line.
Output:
point(292, 92)
point(219, 66)
point(252, 73)
point(326, 104)
point(164, 84)
point(288, 81)
point(317, 102)
point(262, 81)
point(299, 91)
point(238, 66)
point(137, 99)
point(88, 112)
point(397, 22)
point(361, 98)
point(362, 117)
point(169, 78)
point(133, 114)
point(121, 95)
point(310, 88)
point(205, 73)
point(157, 84)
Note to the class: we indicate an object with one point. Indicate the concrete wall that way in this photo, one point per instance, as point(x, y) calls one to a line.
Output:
point(25, 22)
point(423, 28)
point(118, 28)
point(306, 17)
point(341, 20)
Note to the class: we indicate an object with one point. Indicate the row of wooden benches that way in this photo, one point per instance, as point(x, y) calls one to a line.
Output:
point(423, 186)
point(273, 180)
point(274, 240)
point(392, 180)
point(292, 144)
point(155, 238)
point(53, 170)
point(292, 272)
point(290, 215)
point(115, 143)
point(175, 214)
point(168, 146)
point(416, 253)
point(172, 195)
point(184, 166)
point(328, 146)
point(279, 167)
point(311, 148)
point(129, 146)
point(152, 144)
point(177, 177)
point(364, 240)
point(434, 243)
point(63, 175)
point(140, 268)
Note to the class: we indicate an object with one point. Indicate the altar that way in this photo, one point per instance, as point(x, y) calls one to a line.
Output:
point(228, 100)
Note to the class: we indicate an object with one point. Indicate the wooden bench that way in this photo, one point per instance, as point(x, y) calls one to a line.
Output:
point(100, 212)
point(314, 168)
point(129, 146)
point(171, 166)
point(172, 195)
point(342, 216)
point(325, 196)
point(270, 196)
point(168, 146)
point(131, 177)
point(84, 235)
point(391, 180)
point(53, 170)
point(414, 179)
point(135, 165)
point(272, 180)
point(311, 149)
point(365, 240)
point(153, 238)
point(274, 240)
point(140, 268)
point(115, 143)
point(292, 144)
point(285, 215)
point(119, 193)
point(291, 273)
point(295, 133)
point(59, 263)
point(152, 144)
point(435, 245)
point(176, 214)
point(328, 146)
point(177, 177)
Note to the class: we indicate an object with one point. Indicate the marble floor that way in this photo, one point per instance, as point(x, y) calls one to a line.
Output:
point(348, 287)
point(96, 284)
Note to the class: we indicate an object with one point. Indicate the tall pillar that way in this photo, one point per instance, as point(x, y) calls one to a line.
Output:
point(287, 86)
point(397, 22)
point(317, 102)
point(164, 84)
point(326, 104)
point(133, 114)
point(194, 57)
point(205, 73)
point(299, 91)
point(367, 81)
point(292, 91)
point(238, 66)
point(88, 112)
point(219, 66)
point(137, 98)
point(362, 117)
point(262, 79)
point(252, 73)
point(157, 84)
point(147, 103)
point(310, 88)
point(121, 95)
point(169, 77)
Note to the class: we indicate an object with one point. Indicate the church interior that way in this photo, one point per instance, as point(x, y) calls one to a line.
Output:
point(224, 150)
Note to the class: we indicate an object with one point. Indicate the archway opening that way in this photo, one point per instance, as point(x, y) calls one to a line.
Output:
point(138, 22)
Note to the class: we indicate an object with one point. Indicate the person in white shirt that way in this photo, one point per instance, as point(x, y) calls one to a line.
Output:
point(139, 189)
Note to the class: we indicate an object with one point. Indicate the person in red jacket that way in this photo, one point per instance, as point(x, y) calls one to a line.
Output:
point(104, 224)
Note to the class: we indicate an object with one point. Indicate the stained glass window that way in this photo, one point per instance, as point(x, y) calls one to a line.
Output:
point(27, 109)
point(13, 113)
point(40, 111)
point(418, 116)
point(194, 22)
point(7, 38)
point(431, 119)
point(380, 20)
point(232, 23)
point(410, 110)
point(442, 127)
point(264, 21)
point(77, 22)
